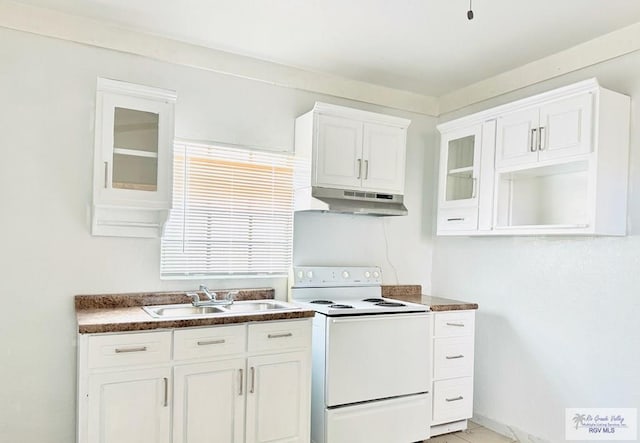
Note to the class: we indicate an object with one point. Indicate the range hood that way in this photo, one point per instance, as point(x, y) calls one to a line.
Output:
point(349, 202)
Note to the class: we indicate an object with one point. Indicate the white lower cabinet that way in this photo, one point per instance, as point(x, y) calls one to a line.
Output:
point(453, 355)
point(129, 406)
point(224, 384)
point(209, 402)
point(278, 398)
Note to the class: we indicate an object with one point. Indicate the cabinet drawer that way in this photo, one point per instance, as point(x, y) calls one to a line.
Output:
point(279, 335)
point(451, 324)
point(457, 219)
point(452, 400)
point(208, 342)
point(452, 357)
point(129, 349)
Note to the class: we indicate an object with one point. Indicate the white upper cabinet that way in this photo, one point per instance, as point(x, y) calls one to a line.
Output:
point(132, 177)
point(559, 129)
point(384, 155)
point(350, 149)
point(555, 164)
point(339, 155)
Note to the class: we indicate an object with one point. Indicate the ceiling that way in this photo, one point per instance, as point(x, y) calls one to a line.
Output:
point(423, 46)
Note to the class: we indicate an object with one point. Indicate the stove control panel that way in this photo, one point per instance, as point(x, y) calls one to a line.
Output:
point(332, 276)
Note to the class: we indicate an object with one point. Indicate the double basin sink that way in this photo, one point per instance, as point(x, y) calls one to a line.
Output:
point(238, 307)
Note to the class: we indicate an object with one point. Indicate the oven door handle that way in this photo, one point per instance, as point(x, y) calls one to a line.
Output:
point(376, 317)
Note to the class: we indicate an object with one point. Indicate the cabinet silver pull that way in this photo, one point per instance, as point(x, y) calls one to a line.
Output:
point(286, 334)
point(359, 168)
point(123, 350)
point(106, 174)
point(540, 136)
point(240, 373)
point(460, 325)
point(532, 145)
point(474, 182)
point(451, 357)
point(456, 219)
point(166, 392)
point(211, 342)
point(366, 169)
point(454, 399)
point(253, 380)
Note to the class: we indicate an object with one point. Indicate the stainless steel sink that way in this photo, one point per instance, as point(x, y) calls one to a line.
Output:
point(257, 305)
point(239, 307)
point(164, 311)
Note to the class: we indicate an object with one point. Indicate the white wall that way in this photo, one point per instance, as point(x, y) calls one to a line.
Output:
point(558, 320)
point(47, 255)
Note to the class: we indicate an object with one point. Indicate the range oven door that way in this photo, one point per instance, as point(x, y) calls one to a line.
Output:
point(374, 357)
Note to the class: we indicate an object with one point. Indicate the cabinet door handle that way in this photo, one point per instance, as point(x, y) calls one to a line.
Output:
point(253, 380)
point(456, 219)
point(474, 182)
point(123, 350)
point(211, 342)
point(285, 334)
point(165, 403)
point(366, 169)
point(540, 140)
point(359, 168)
point(454, 399)
point(460, 325)
point(532, 145)
point(452, 357)
point(106, 174)
point(240, 373)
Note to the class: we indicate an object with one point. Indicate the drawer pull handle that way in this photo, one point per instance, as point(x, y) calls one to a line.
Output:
point(240, 371)
point(459, 325)
point(451, 357)
point(454, 399)
point(123, 350)
point(456, 219)
point(286, 334)
point(211, 342)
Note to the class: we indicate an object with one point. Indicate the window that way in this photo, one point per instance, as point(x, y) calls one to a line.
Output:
point(232, 212)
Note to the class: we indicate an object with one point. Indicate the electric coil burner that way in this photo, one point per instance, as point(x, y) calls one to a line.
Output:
point(371, 358)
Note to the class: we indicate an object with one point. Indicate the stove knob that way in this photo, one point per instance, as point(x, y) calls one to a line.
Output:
point(300, 275)
point(367, 274)
point(309, 274)
point(345, 274)
point(376, 274)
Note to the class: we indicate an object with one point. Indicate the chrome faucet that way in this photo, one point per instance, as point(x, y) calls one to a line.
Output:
point(212, 297)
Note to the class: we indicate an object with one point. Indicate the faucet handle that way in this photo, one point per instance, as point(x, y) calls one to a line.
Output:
point(231, 295)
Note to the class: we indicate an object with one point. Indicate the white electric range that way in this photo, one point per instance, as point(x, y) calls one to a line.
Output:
point(371, 369)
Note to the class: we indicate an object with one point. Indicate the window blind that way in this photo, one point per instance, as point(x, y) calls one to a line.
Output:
point(232, 212)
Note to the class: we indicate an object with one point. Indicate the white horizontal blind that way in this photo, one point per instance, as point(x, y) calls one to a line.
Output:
point(232, 212)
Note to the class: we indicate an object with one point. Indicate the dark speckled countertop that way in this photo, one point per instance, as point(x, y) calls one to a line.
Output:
point(413, 293)
point(123, 312)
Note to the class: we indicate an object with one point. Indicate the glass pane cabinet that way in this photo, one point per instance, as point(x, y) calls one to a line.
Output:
point(459, 167)
point(135, 150)
point(133, 158)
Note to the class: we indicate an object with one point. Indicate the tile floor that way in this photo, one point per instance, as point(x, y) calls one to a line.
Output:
point(474, 434)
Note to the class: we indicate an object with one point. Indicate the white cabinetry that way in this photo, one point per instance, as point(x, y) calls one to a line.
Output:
point(228, 384)
point(132, 177)
point(555, 163)
point(465, 179)
point(453, 355)
point(561, 128)
point(351, 149)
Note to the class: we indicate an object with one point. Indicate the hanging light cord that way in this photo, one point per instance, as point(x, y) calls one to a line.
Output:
point(470, 11)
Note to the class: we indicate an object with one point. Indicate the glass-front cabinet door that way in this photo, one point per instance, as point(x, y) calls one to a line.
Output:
point(459, 167)
point(133, 158)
